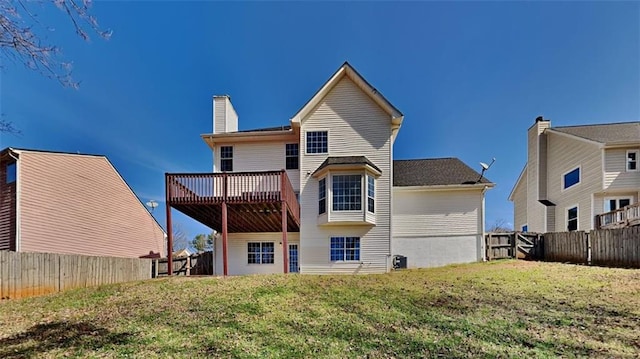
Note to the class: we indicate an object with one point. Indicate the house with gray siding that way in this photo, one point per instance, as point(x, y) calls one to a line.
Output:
point(323, 193)
point(67, 203)
point(578, 177)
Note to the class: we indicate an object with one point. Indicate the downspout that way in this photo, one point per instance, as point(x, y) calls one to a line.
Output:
point(18, 192)
point(482, 225)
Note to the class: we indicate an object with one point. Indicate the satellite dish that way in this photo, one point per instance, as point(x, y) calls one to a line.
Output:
point(152, 204)
point(484, 166)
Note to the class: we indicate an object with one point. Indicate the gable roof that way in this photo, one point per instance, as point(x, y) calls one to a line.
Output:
point(434, 172)
point(347, 70)
point(609, 133)
point(522, 176)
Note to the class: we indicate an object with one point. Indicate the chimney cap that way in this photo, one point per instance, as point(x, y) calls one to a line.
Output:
point(219, 96)
point(541, 119)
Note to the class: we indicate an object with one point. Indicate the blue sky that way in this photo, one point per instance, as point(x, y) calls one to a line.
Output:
point(470, 77)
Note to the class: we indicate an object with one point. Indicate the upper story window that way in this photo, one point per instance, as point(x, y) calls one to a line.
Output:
point(291, 156)
point(260, 253)
point(347, 192)
point(317, 142)
point(572, 219)
point(10, 173)
point(632, 160)
point(571, 178)
point(371, 194)
point(226, 158)
point(345, 249)
point(525, 228)
point(322, 196)
point(611, 204)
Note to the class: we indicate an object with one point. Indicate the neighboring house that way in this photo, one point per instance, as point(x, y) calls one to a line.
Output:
point(72, 204)
point(576, 176)
point(324, 195)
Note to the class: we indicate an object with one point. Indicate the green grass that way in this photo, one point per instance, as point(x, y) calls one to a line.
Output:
point(499, 309)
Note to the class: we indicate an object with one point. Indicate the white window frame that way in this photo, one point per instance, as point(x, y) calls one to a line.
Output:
point(344, 254)
point(617, 199)
point(637, 161)
point(261, 253)
point(326, 191)
point(288, 156)
point(566, 216)
point(367, 177)
point(226, 158)
point(579, 168)
point(306, 143)
point(333, 176)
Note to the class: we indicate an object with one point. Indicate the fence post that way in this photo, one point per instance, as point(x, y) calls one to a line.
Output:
point(588, 244)
point(514, 244)
point(489, 249)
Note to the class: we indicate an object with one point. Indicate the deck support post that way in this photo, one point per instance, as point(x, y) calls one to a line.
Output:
point(285, 211)
point(225, 260)
point(169, 227)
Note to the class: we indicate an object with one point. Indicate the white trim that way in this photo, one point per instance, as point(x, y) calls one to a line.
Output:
point(461, 187)
point(513, 190)
point(304, 135)
point(347, 70)
point(562, 187)
point(603, 166)
point(626, 160)
point(566, 216)
point(18, 204)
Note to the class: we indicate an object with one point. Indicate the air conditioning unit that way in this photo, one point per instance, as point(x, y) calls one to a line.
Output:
point(399, 262)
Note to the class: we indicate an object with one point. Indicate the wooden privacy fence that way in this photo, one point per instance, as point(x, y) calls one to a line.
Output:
point(31, 274)
point(607, 247)
point(513, 245)
point(196, 264)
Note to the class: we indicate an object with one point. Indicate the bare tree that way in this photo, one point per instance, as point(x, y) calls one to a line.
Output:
point(20, 40)
point(500, 226)
point(180, 239)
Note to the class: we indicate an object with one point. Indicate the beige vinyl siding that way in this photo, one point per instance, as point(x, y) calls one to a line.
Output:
point(436, 213)
point(238, 257)
point(536, 212)
point(520, 203)
point(565, 154)
point(260, 156)
point(616, 176)
point(77, 204)
point(434, 228)
point(356, 125)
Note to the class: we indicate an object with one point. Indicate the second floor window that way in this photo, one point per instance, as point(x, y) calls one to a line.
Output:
point(226, 158)
point(347, 192)
point(317, 142)
point(291, 156)
point(371, 194)
point(571, 178)
point(632, 160)
point(322, 196)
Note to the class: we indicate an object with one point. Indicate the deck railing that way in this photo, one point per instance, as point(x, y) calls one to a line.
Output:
point(622, 217)
point(236, 187)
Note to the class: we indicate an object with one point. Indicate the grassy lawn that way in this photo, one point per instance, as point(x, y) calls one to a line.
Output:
point(498, 309)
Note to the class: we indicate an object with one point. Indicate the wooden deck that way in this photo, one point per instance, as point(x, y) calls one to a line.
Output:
point(620, 218)
point(254, 200)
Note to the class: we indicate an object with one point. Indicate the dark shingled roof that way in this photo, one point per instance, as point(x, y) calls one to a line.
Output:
point(434, 172)
point(609, 133)
point(346, 160)
point(267, 129)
